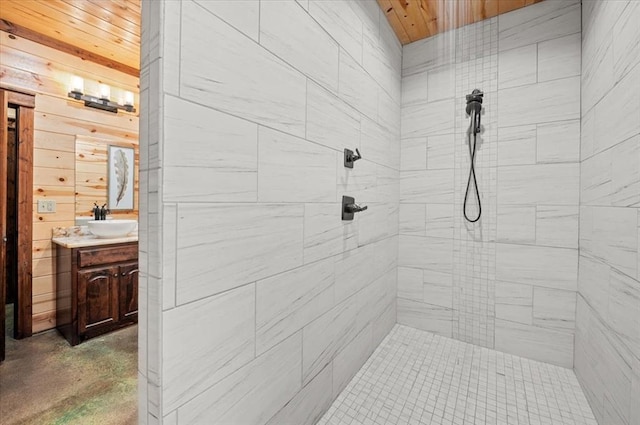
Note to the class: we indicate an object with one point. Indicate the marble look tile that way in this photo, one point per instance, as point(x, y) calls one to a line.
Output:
point(554, 309)
point(593, 283)
point(362, 182)
point(595, 179)
point(376, 59)
point(252, 394)
point(378, 144)
point(171, 48)
point(289, 32)
point(559, 58)
point(426, 54)
point(205, 184)
point(215, 350)
point(441, 152)
point(357, 87)
point(308, 177)
point(285, 303)
point(308, 406)
point(426, 317)
point(322, 108)
point(342, 24)
point(389, 115)
point(536, 343)
point(624, 309)
point(625, 173)
point(434, 186)
point(555, 268)
point(638, 275)
point(414, 89)
point(225, 246)
point(238, 76)
point(557, 226)
point(559, 142)
point(329, 334)
point(556, 100)
point(413, 219)
point(384, 323)
point(426, 253)
point(613, 238)
point(325, 234)
point(553, 184)
point(439, 220)
point(354, 270)
point(413, 154)
point(169, 254)
point(410, 283)
point(517, 224)
point(626, 38)
point(537, 23)
point(441, 83)
point(243, 16)
point(514, 302)
point(517, 145)
point(438, 288)
point(517, 67)
point(597, 69)
point(617, 116)
point(427, 119)
point(349, 361)
point(378, 222)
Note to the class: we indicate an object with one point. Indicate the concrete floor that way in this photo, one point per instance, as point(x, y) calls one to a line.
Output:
point(44, 380)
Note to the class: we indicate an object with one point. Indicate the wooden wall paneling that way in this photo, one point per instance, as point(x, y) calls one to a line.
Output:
point(43, 60)
point(3, 214)
point(54, 141)
point(88, 33)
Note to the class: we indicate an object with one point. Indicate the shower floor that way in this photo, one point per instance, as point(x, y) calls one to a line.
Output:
point(415, 377)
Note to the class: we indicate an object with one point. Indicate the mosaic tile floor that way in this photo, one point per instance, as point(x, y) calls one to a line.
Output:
point(415, 377)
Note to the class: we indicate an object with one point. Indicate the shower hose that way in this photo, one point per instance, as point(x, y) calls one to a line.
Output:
point(474, 129)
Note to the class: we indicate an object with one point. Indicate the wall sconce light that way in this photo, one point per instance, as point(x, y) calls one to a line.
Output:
point(103, 102)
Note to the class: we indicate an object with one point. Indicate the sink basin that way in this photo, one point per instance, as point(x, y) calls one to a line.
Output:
point(112, 228)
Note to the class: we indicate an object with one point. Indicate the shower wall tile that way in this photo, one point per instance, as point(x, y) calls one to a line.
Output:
point(300, 35)
point(548, 267)
point(186, 373)
point(607, 356)
point(517, 145)
point(553, 308)
point(558, 142)
point(248, 164)
point(239, 76)
point(308, 177)
point(287, 302)
point(517, 67)
point(540, 22)
point(549, 101)
point(410, 283)
point(541, 344)
point(527, 62)
point(324, 107)
point(441, 83)
point(559, 58)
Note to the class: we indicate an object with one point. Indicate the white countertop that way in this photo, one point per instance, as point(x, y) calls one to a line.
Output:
point(91, 240)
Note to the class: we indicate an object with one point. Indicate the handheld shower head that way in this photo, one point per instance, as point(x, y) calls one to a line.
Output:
point(474, 102)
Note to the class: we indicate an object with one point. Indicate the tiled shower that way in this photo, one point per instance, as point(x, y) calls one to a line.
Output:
point(258, 304)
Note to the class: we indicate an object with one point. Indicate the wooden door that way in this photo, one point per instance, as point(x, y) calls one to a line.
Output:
point(97, 298)
point(129, 291)
point(3, 213)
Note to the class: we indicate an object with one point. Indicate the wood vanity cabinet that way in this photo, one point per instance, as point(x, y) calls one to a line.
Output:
point(96, 290)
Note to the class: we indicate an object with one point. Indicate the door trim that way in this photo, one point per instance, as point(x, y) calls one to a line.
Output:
point(25, 102)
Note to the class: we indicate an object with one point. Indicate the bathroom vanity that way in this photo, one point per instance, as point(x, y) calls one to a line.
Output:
point(96, 285)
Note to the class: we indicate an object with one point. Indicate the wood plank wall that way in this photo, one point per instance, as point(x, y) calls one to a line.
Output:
point(25, 65)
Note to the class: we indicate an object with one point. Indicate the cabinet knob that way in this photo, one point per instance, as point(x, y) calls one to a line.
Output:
point(115, 275)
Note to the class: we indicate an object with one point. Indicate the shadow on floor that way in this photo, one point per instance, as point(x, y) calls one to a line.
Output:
point(44, 380)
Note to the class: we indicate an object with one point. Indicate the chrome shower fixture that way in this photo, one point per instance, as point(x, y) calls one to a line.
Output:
point(474, 107)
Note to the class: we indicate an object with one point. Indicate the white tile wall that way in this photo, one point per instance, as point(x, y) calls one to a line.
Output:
point(509, 281)
point(607, 352)
point(245, 260)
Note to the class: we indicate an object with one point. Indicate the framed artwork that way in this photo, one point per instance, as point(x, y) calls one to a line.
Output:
point(120, 179)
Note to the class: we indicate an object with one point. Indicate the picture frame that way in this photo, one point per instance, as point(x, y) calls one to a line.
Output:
point(120, 183)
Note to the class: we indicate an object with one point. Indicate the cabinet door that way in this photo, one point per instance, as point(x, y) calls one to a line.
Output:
point(97, 298)
point(129, 291)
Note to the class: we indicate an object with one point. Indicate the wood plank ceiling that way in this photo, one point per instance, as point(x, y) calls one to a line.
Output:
point(413, 20)
point(102, 31)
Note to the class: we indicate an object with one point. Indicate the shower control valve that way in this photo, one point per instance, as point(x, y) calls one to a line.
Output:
point(349, 208)
point(350, 157)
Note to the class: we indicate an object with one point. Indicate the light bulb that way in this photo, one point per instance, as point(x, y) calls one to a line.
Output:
point(77, 84)
point(128, 98)
point(105, 91)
